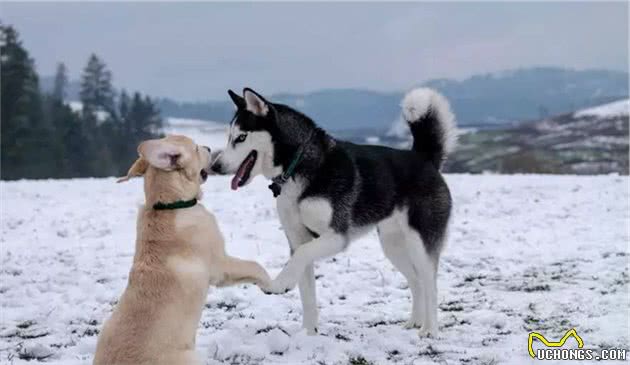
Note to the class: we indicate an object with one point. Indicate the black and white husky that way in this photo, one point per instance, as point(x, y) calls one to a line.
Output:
point(329, 192)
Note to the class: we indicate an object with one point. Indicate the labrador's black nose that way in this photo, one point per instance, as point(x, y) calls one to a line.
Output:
point(208, 148)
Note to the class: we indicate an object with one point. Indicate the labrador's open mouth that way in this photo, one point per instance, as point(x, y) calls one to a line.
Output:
point(243, 172)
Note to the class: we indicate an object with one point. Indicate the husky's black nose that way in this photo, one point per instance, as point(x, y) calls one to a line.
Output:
point(216, 167)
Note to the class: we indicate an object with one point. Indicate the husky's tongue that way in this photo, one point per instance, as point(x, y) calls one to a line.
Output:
point(242, 174)
point(236, 179)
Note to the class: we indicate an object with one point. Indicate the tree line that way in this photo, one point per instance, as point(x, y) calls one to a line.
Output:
point(44, 136)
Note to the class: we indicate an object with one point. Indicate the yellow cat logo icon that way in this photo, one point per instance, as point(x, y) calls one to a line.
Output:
point(560, 343)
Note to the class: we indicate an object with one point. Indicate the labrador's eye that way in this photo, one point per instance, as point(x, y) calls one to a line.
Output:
point(240, 138)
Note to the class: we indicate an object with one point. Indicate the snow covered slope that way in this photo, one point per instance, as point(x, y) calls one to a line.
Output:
point(543, 253)
point(610, 110)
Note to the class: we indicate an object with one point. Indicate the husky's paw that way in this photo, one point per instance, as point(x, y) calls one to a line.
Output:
point(309, 321)
point(427, 332)
point(276, 287)
point(270, 291)
point(413, 323)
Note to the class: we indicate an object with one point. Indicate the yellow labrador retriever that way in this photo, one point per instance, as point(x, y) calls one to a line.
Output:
point(179, 253)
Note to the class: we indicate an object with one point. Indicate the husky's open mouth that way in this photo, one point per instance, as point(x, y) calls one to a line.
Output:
point(243, 172)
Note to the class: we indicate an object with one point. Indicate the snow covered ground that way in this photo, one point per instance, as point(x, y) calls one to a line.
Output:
point(526, 253)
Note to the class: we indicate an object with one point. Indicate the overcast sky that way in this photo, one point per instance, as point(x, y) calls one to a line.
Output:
point(195, 51)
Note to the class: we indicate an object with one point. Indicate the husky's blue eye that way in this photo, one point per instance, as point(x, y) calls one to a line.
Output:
point(240, 138)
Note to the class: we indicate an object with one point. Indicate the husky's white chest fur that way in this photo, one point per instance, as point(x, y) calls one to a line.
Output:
point(314, 214)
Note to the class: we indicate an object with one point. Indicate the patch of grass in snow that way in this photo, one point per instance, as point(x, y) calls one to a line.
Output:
point(341, 337)
point(453, 321)
point(89, 332)
point(13, 272)
point(452, 306)
point(530, 287)
point(375, 302)
point(554, 324)
point(269, 328)
point(384, 323)
point(473, 277)
point(394, 354)
point(228, 307)
point(25, 324)
point(477, 361)
point(489, 341)
point(216, 323)
point(608, 254)
point(431, 352)
point(359, 360)
point(241, 359)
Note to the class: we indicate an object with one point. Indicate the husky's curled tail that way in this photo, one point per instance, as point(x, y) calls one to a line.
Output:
point(432, 124)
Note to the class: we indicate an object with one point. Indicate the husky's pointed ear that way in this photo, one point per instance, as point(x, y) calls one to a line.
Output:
point(255, 103)
point(237, 99)
point(137, 169)
point(163, 154)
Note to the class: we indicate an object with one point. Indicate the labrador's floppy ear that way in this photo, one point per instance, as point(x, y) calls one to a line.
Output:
point(162, 154)
point(237, 100)
point(255, 103)
point(137, 169)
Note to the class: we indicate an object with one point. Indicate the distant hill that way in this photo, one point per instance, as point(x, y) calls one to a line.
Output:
point(482, 101)
point(589, 141)
point(530, 93)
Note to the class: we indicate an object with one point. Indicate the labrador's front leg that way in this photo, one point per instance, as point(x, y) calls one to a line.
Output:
point(237, 271)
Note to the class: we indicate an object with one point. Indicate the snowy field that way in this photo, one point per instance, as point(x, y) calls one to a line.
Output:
point(526, 253)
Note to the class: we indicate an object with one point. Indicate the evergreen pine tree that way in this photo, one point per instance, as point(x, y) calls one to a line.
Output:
point(23, 128)
point(61, 82)
point(68, 148)
point(97, 93)
point(98, 117)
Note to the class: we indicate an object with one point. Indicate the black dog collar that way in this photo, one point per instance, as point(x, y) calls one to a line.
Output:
point(175, 205)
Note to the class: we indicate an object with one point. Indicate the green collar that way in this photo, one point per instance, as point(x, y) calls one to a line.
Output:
point(278, 181)
point(175, 205)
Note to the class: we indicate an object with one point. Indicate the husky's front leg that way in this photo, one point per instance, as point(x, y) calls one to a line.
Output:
point(308, 296)
point(297, 235)
point(326, 245)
